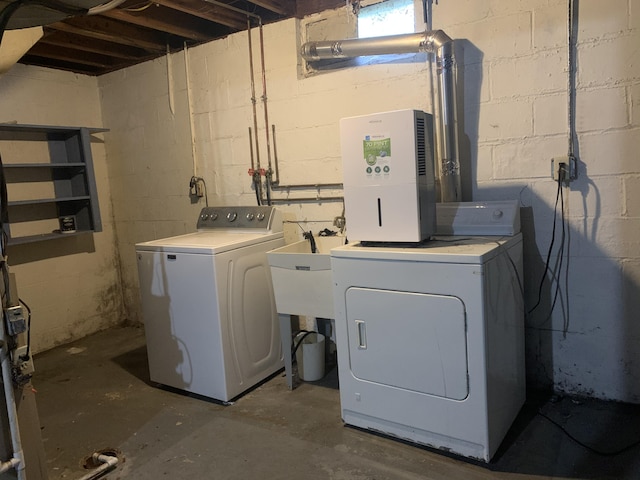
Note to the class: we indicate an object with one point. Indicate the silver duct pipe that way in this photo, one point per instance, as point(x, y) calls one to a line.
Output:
point(435, 41)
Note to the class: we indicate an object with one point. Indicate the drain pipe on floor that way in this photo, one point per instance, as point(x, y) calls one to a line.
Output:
point(107, 461)
point(430, 41)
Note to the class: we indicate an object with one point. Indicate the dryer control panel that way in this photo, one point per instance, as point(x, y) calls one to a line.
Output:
point(478, 218)
point(258, 218)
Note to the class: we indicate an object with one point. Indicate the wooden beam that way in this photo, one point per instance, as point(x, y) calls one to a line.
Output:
point(283, 7)
point(91, 45)
point(176, 23)
point(59, 65)
point(72, 56)
point(208, 11)
point(114, 31)
point(307, 7)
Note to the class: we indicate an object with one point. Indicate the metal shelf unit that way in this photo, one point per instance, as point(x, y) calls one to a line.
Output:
point(63, 170)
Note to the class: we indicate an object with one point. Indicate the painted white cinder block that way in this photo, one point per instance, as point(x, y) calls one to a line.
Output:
point(612, 237)
point(595, 196)
point(496, 36)
point(550, 115)
point(634, 100)
point(601, 19)
point(608, 62)
point(631, 192)
point(550, 26)
point(577, 370)
point(634, 15)
point(602, 108)
point(611, 152)
point(515, 120)
point(527, 158)
point(71, 285)
point(530, 75)
point(506, 120)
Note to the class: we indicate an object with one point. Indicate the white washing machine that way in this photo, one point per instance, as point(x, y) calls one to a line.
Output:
point(431, 338)
point(207, 300)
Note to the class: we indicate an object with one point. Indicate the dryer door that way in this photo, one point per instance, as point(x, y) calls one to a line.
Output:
point(412, 341)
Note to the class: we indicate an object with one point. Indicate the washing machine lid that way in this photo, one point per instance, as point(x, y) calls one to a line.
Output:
point(454, 249)
point(207, 242)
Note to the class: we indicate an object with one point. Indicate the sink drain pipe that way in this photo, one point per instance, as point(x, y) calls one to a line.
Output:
point(107, 461)
point(430, 41)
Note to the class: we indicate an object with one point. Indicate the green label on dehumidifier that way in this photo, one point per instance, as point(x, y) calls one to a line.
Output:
point(374, 148)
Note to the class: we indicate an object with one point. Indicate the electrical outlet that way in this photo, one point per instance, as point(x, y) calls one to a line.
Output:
point(24, 367)
point(567, 164)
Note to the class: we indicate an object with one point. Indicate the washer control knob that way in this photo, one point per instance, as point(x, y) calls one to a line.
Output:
point(204, 216)
point(214, 217)
point(250, 216)
point(231, 216)
point(260, 217)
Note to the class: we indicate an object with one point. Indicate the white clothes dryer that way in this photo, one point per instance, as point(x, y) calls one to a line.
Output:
point(430, 339)
point(209, 312)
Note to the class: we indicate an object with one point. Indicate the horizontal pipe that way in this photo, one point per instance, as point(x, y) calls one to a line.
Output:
point(428, 41)
point(306, 185)
point(106, 462)
point(307, 199)
point(9, 464)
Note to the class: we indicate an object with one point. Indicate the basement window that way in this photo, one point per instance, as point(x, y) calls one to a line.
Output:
point(370, 18)
point(391, 17)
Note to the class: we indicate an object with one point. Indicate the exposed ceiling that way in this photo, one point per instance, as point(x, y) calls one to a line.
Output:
point(140, 30)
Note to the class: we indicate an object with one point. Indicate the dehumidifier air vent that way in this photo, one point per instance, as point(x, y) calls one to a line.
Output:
point(421, 159)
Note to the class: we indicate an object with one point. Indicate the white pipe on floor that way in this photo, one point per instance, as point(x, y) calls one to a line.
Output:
point(108, 461)
point(17, 461)
point(9, 464)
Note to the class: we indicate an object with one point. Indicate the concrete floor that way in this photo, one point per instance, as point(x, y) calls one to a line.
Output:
point(95, 394)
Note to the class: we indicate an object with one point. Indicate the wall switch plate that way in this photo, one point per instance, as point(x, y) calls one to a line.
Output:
point(569, 164)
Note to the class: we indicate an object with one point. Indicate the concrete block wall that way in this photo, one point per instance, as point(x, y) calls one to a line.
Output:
point(71, 284)
point(513, 67)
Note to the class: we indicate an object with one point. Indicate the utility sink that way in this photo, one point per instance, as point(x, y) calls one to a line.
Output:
point(302, 282)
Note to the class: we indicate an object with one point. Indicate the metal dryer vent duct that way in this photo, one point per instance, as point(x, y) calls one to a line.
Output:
point(434, 41)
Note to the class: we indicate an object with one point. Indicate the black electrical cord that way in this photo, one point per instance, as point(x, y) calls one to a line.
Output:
point(309, 236)
point(551, 244)
point(557, 270)
point(584, 445)
point(312, 241)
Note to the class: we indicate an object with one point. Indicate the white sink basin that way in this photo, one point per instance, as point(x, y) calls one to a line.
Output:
point(302, 282)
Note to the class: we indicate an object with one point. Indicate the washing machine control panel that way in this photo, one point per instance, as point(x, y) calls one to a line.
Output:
point(258, 217)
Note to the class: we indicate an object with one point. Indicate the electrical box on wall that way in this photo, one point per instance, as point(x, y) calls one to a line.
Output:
point(566, 167)
point(389, 185)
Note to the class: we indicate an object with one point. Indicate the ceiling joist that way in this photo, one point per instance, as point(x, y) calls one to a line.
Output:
point(140, 30)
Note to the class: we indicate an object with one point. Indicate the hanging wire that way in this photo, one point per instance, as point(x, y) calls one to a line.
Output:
point(563, 257)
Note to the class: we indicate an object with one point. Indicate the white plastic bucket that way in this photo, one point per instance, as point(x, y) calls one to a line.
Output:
point(310, 357)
